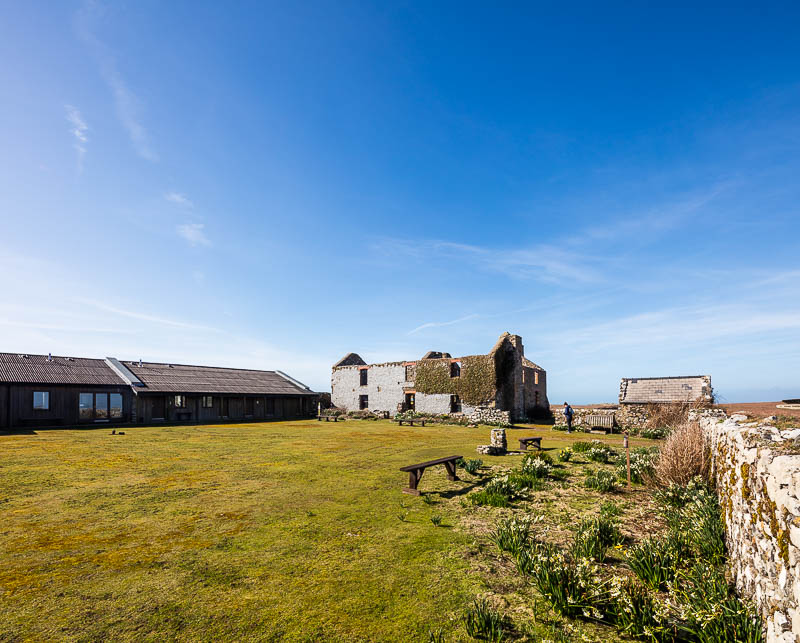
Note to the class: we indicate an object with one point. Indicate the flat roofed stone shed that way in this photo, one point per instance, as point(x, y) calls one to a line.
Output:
point(415, 471)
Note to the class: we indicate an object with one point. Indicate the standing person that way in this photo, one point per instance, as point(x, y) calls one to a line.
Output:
point(568, 413)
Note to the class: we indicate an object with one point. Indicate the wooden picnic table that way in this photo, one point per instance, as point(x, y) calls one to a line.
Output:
point(535, 441)
point(415, 471)
point(419, 421)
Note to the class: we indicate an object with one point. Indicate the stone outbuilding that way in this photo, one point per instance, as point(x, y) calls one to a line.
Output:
point(502, 385)
point(665, 390)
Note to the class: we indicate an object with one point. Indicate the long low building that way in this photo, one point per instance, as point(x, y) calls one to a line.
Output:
point(46, 391)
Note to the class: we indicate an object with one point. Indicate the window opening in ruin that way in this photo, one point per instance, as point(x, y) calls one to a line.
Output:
point(455, 404)
point(536, 377)
point(363, 374)
point(363, 400)
point(410, 401)
point(455, 369)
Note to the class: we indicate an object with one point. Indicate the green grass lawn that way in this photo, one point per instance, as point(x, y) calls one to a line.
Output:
point(291, 530)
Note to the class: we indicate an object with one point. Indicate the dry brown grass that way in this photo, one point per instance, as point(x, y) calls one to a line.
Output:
point(683, 456)
point(673, 414)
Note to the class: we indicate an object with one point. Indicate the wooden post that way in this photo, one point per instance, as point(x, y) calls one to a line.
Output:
point(628, 458)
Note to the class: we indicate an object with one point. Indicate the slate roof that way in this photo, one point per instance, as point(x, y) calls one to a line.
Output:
point(180, 378)
point(351, 359)
point(656, 390)
point(36, 369)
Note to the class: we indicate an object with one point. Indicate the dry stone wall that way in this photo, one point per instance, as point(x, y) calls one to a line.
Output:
point(626, 416)
point(489, 415)
point(757, 472)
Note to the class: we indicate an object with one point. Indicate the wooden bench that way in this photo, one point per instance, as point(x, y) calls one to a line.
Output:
point(328, 418)
point(524, 442)
point(419, 421)
point(600, 421)
point(415, 471)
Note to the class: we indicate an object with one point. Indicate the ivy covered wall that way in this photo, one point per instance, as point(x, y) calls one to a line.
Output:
point(476, 385)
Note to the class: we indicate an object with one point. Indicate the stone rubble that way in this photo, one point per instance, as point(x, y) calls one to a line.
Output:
point(498, 444)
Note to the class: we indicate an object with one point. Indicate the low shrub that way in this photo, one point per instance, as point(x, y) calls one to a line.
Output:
point(513, 534)
point(488, 499)
point(483, 622)
point(610, 509)
point(639, 613)
point(702, 521)
point(560, 581)
point(565, 454)
point(655, 434)
point(537, 466)
point(600, 453)
point(497, 493)
point(594, 536)
point(581, 446)
point(655, 561)
point(527, 481)
point(559, 427)
point(600, 481)
point(684, 455)
point(643, 462)
point(678, 495)
point(711, 611)
point(472, 466)
point(436, 636)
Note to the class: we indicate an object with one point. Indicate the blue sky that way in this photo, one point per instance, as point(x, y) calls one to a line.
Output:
point(272, 186)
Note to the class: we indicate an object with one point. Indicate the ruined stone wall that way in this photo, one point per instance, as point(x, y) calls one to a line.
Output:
point(757, 473)
point(435, 403)
point(626, 416)
point(535, 389)
point(385, 384)
point(490, 415)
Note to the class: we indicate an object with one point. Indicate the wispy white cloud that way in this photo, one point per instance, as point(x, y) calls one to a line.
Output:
point(179, 199)
point(440, 324)
point(127, 104)
point(583, 257)
point(78, 129)
point(142, 316)
point(194, 234)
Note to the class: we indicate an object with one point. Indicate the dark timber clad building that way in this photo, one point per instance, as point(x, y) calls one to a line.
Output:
point(41, 391)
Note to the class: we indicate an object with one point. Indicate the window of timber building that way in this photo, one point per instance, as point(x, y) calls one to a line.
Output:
point(208, 401)
point(180, 401)
point(363, 401)
point(115, 403)
point(86, 406)
point(455, 369)
point(101, 406)
point(41, 400)
point(363, 375)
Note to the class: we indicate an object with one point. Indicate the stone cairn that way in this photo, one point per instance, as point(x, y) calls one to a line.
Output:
point(498, 444)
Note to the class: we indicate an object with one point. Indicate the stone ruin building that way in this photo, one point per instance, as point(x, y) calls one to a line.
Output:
point(501, 386)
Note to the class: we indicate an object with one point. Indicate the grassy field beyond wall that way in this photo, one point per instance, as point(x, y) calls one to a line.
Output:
point(291, 530)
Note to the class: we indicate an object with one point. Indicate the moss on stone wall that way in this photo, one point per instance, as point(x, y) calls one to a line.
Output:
point(475, 386)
